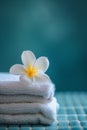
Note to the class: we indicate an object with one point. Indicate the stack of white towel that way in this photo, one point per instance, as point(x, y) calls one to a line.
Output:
point(21, 102)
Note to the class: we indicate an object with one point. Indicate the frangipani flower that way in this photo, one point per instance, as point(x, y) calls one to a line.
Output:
point(34, 69)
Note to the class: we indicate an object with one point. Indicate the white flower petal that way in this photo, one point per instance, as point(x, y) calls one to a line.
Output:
point(42, 64)
point(28, 58)
point(17, 69)
point(42, 78)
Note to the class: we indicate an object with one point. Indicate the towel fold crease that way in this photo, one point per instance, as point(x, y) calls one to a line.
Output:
point(23, 99)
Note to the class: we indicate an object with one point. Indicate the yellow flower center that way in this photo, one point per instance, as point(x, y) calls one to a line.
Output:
point(31, 71)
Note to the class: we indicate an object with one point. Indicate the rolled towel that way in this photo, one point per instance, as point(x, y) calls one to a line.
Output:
point(47, 110)
point(13, 85)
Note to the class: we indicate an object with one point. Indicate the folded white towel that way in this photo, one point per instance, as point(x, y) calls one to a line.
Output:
point(23, 99)
point(25, 119)
point(12, 110)
point(13, 85)
point(47, 109)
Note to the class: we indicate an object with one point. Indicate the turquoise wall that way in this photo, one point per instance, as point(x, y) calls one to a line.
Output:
point(53, 28)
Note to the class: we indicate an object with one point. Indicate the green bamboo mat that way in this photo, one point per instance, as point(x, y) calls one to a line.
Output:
point(72, 114)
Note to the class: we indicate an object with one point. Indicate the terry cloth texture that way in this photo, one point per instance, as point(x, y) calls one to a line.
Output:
point(47, 110)
point(25, 119)
point(23, 99)
point(21, 102)
point(45, 90)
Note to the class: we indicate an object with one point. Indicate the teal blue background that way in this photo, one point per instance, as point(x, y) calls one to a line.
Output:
point(53, 28)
